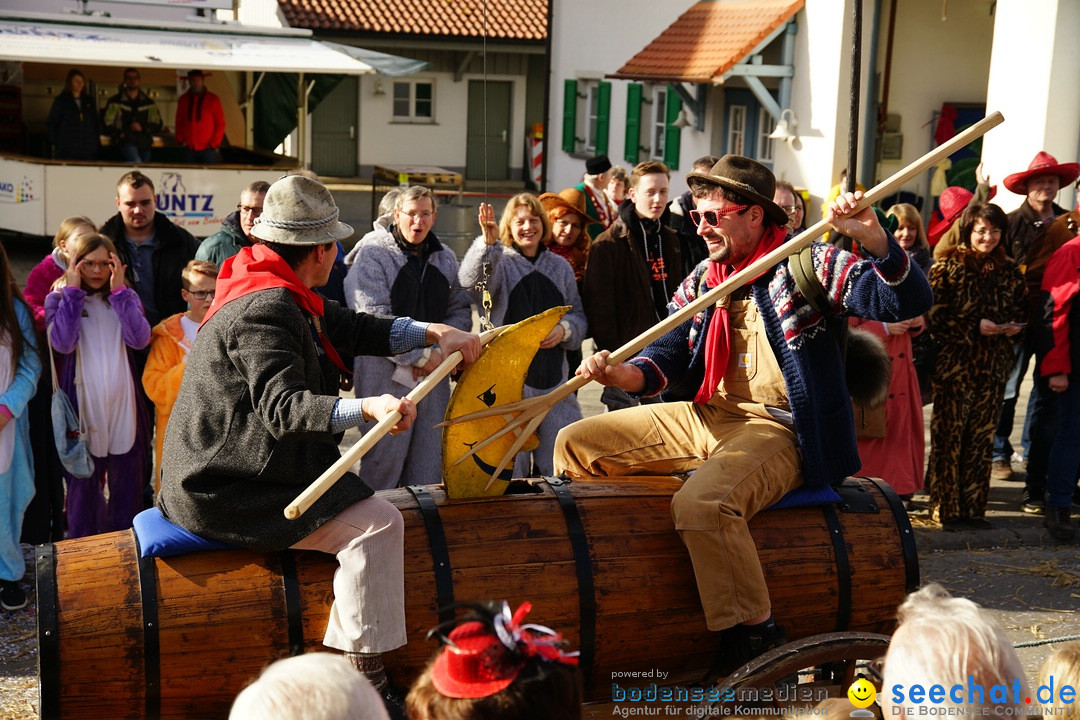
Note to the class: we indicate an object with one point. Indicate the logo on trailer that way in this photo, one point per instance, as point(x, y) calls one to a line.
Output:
point(174, 200)
point(21, 191)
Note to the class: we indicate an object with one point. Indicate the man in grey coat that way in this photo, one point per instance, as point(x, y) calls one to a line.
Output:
point(258, 418)
point(404, 270)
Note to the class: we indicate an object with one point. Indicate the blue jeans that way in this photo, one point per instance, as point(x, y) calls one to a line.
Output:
point(1040, 421)
point(1065, 453)
point(206, 156)
point(132, 154)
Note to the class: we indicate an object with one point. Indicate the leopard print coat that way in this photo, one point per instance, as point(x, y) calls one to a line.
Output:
point(970, 374)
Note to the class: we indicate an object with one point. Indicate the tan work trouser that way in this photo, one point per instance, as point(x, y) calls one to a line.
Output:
point(743, 464)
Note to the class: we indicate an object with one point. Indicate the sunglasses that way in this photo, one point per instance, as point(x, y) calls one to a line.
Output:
point(712, 217)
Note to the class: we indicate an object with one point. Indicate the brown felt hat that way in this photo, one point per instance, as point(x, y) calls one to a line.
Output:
point(569, 198)
point(748, 178)
point(299, 211)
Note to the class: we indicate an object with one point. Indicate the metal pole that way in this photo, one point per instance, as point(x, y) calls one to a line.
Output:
point(856, 77)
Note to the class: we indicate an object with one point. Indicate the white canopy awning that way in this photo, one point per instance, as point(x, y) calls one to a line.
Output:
point(107, 42)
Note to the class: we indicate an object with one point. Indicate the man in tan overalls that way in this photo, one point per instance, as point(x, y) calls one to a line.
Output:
point(770, 409)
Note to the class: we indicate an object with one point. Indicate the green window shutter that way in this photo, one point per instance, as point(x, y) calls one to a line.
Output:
point(569, 115)
point(603, 117)
point(633, 123)
point(672, 133)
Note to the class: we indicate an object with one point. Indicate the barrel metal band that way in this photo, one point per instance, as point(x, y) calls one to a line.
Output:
point(48, 633)
point(293, 612)
point(907, 535)
point(440, 552)
point(579, 545)
point(843, 567)
point(151, 639)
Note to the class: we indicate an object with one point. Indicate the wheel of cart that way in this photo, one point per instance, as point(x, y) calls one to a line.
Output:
point(803, 672)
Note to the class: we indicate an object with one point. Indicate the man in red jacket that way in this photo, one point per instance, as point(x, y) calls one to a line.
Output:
point(200, 122)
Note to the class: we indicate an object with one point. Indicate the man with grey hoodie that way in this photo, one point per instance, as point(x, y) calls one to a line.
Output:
point(400, 268)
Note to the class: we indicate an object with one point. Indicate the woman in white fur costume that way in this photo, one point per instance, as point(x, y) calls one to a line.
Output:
point(527, 279)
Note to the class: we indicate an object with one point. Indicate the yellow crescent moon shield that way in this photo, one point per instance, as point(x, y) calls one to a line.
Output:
point(496, 378)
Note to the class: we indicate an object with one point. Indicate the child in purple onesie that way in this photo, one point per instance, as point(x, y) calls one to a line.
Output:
point(95, 321)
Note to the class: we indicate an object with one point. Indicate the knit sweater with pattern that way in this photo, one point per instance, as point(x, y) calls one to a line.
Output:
point(889, 289)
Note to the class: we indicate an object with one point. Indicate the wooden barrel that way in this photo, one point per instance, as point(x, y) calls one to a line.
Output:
point(121, 637)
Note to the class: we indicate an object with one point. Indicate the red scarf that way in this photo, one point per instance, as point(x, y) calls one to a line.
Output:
point(258, 268)
point(718, 337)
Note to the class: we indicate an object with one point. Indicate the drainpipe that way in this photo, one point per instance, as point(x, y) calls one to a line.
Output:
point(868, 161)
point(548, 135)
point(788, 60)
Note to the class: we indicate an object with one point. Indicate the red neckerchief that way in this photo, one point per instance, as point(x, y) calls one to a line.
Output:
point(258, 268)
point(718, 337)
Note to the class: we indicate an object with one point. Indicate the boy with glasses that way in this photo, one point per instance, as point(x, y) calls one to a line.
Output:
point(169, 345)
point(235, 232)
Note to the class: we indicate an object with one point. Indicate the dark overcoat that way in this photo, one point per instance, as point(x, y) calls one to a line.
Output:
point(251, 425)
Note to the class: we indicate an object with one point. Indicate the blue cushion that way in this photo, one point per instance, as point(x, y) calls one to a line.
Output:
point(805, 496)
point(160, 538)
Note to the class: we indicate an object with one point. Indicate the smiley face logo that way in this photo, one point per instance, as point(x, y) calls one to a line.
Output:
point(862, 693)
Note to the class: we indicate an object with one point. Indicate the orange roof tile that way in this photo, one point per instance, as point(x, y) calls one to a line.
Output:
point(506, 19)
point(708, 39)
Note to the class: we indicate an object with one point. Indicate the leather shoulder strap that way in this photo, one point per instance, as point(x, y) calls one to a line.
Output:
point(802, 270)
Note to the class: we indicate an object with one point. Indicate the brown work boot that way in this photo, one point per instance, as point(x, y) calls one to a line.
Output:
point(1059, 524)
point(1001, 470)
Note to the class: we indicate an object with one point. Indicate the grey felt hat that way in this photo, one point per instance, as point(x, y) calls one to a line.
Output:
point(299, 211)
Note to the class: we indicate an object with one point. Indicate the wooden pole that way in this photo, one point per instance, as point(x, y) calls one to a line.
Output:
point(538, 407)
point(319, 487)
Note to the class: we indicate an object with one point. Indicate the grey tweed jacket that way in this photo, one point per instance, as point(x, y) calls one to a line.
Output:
point(251, 425)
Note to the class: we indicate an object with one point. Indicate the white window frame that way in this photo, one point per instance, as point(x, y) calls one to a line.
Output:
point(657, 122)
point(736, 139)
point(412, 116)
point(766, 150)
point(591, 114)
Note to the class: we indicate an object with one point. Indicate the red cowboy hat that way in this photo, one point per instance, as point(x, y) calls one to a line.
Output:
point(1043, 164)
point(951, 205)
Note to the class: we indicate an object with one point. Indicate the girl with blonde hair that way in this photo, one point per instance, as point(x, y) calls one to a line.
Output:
point(527, 279)
point(95, 322)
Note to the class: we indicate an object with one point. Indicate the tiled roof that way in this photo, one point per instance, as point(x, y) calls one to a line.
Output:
point(506, 19)
point(708, 39)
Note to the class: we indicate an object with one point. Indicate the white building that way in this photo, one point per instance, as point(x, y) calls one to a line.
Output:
point(1016, 56)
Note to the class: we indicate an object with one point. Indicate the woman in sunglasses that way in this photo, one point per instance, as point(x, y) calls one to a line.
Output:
point(95, 322)
point(172, 339)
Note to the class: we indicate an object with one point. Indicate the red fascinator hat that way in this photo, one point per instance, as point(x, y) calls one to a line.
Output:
point(952, 202)
point(483, 655)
